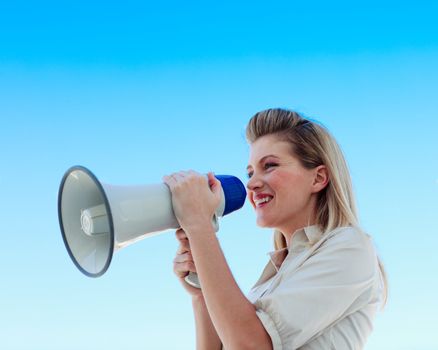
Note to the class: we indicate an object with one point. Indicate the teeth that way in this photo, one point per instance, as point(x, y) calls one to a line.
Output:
point(262, 200)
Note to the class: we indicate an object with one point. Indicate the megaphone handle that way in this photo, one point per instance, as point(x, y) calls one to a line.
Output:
point(192, 277)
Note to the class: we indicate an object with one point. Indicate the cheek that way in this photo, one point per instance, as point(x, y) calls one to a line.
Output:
point(285, 181)
point(249, 196)
point(293, 186)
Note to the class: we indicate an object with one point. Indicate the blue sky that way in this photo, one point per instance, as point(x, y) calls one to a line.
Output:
point(136, 91)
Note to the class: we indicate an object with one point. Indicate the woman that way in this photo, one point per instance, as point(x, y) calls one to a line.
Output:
point(323, 283)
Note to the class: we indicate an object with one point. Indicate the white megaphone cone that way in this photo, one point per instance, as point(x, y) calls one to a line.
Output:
point(97, 219)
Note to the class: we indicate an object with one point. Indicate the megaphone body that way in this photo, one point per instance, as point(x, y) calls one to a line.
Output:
point(97, 219)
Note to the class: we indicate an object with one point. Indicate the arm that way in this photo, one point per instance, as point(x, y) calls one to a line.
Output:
point(233, 316)
point(206, 335)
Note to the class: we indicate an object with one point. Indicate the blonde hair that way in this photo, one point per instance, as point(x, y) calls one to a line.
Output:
point(314, 146)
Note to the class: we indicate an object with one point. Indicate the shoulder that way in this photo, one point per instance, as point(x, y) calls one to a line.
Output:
point(348, 236)
point(350, 247)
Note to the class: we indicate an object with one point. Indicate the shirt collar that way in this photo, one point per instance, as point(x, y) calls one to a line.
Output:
point(312, 235)
point(301, 239)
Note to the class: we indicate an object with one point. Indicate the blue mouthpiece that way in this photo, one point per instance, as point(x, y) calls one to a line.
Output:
point(234, 192)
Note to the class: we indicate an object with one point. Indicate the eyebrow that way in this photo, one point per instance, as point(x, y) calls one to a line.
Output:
point(262, 159)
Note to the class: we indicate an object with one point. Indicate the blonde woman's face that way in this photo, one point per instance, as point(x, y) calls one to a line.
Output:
point(279, 187)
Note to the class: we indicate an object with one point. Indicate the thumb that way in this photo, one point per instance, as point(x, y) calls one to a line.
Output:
point(215, 184)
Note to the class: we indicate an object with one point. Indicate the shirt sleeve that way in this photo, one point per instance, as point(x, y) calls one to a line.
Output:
point(334, 281)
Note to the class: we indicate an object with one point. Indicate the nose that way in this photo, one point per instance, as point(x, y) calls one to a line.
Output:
point(254, 183)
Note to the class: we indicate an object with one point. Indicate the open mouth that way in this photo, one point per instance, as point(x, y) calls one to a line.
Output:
point(261, 202)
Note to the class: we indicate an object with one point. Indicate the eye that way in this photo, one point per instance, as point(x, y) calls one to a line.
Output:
point(266, 166)
point(270, 165)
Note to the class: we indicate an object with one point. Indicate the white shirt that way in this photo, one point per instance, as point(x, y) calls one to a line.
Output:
point(321, 293)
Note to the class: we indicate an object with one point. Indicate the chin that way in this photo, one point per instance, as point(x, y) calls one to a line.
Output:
point(263, 222)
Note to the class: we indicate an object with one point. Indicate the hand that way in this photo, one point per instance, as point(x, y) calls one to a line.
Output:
point(195, 199)
point(183, 263)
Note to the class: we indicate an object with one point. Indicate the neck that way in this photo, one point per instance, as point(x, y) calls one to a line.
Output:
point(308, 218)
point(288, 235)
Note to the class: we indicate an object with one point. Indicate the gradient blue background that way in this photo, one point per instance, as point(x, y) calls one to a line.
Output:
point(137, 91)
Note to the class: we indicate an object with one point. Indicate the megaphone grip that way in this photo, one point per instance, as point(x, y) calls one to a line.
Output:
point(193, 280)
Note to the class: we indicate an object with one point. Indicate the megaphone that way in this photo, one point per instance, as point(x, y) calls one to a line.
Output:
point(98, 219)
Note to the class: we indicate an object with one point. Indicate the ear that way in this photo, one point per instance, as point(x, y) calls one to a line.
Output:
point(321, 178)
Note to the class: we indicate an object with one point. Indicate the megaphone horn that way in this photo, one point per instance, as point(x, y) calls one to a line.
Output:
point(97, 219)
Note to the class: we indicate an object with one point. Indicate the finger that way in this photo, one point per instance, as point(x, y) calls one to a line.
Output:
point(180, 234)
point(184, 268)
point(183, 247)
point(195, 174)
point(179, 176)
point(190, 266)
point(183, 173)
point(191, 173)
point(180, 258)
point(180, 273)
point(169, 181)
point(174, 180)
